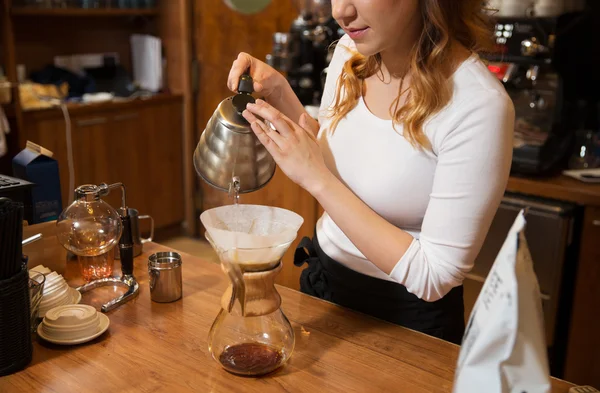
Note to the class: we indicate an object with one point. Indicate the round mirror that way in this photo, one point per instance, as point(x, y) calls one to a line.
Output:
point(248, 6)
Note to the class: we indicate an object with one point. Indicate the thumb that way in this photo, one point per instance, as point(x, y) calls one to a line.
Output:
point(309, 124)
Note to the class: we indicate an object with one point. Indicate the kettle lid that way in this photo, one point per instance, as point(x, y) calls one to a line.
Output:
point(229, 112)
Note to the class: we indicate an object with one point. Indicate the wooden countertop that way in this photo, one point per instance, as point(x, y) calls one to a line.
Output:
point(559, 187)
point(163, 347)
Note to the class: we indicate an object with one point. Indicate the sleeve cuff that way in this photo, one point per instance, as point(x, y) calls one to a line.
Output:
point(400, 271)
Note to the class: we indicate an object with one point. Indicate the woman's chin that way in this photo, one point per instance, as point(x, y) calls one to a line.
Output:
point(366, 49)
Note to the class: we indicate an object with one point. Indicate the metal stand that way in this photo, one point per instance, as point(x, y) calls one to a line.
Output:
point(127, 279)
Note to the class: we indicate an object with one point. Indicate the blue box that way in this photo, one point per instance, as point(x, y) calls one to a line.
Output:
point(42, 170)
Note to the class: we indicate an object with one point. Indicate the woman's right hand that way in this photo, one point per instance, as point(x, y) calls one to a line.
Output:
point(267, 81)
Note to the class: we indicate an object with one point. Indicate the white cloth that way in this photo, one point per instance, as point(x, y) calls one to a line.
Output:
point(445, 198)
point(4, 129)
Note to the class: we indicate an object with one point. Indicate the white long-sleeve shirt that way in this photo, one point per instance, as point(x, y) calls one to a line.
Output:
point(445, 197)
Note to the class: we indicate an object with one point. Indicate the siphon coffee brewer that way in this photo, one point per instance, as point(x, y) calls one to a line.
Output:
point(251, 335)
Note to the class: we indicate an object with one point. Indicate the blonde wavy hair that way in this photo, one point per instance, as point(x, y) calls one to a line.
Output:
point(444, 21)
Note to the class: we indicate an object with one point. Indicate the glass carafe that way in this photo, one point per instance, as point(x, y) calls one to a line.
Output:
point(90, 228)
point(251, 335)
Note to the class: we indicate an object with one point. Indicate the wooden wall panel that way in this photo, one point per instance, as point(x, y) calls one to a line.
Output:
point(175, 27)
point(220, 34)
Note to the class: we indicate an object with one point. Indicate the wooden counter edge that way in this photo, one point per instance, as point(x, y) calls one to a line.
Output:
point(562, 188)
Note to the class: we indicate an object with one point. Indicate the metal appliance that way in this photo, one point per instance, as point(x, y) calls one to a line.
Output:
point(90, 227)
point(551, 240)
point(527, 58)
point(229, 156)
point(304, 52)
point(18, 190)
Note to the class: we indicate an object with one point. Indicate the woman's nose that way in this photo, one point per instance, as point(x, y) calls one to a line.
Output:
point(343, 10)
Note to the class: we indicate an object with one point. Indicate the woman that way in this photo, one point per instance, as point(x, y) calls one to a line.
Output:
point(409, 159)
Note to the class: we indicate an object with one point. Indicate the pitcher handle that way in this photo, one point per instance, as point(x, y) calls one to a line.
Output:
point(148, 239)
point(153, 274)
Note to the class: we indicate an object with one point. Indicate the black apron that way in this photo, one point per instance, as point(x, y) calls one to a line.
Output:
point(328, 279)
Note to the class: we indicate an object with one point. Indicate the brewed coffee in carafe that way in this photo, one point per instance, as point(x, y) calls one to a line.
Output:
point(251, 335)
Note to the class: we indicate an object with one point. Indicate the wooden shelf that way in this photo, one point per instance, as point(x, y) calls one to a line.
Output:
point(31, 11)
point(91, 108)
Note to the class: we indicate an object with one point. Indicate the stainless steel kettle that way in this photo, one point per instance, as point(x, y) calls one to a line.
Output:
point(228, 147)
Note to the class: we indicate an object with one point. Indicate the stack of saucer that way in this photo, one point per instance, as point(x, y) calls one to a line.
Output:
point(72, 324)
point(56, 291)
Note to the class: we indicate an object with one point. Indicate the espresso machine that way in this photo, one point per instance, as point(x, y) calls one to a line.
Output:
point(304, 52)
point(527, 59)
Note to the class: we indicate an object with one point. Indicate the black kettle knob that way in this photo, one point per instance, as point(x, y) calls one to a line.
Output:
point(246, 84)
point(244, 96)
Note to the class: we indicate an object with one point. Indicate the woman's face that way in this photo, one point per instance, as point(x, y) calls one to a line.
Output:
point(378, 25)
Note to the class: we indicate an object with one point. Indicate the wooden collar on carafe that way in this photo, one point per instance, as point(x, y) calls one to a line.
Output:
point(261, 297)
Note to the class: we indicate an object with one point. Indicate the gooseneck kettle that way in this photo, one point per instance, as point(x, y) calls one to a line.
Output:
point(229, 153)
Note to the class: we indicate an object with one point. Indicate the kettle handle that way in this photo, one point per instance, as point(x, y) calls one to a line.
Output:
point(246, 84)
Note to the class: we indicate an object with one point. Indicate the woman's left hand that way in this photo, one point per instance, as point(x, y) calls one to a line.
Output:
point(293, 147)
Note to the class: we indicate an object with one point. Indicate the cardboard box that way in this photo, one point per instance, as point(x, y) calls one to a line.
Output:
point(35, 164)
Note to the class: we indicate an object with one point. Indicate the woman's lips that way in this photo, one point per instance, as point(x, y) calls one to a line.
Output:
point(357, 33)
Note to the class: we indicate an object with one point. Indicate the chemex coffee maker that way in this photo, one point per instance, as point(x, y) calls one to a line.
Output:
point(250, 336)
point(525, 61)
point(304, 52)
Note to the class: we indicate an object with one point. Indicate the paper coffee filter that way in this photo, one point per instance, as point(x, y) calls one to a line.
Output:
point(255, 231)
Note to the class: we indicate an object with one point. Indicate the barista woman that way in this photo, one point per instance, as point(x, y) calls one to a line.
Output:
point(409, 158)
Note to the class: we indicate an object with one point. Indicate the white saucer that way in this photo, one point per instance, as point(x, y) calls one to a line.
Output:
point(103, 326)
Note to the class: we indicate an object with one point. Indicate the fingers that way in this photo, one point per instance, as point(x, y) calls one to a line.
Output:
point(269, 137)
point(264, 128)
point(282, 124)
point(249, 116)
point(239, 66)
